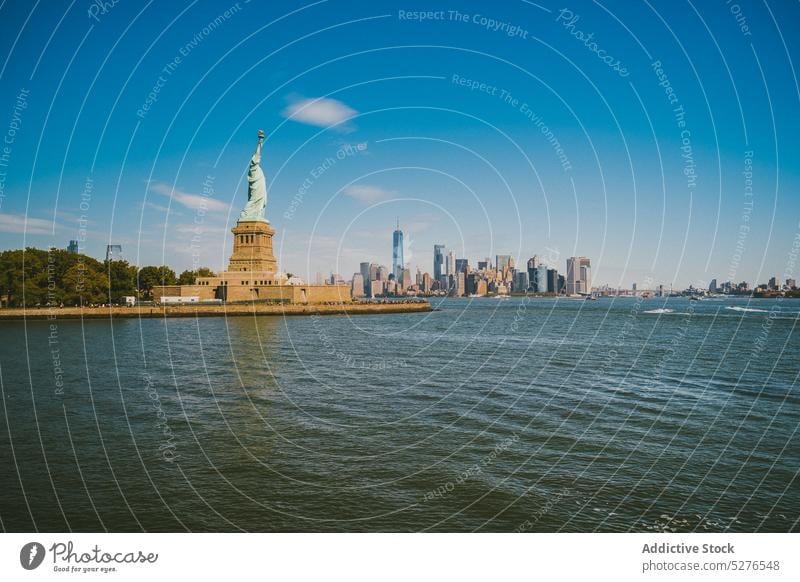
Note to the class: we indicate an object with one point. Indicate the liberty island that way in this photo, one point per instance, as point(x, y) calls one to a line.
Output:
point(252, 284)
point(252, 273)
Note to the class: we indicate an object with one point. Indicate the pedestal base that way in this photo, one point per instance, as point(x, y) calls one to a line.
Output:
point(252, 248)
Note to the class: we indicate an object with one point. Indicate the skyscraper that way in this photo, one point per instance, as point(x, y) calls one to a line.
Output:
point(541, 279)
point(405, 279)
point(471, 283)
point(462, 265)
point(586, 275)
point(533, 264)
point(450, 265)
point(365, 279)
point(113, 252)
point(579, 276)
point(459, 285)
point(503, 262)
point(397, 253)
point(438, 261)
point(426, 286)
point(358, 285)
point(552, 281)
point(521, 282)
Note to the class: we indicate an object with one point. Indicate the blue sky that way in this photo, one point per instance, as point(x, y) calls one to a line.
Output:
point(498, 129)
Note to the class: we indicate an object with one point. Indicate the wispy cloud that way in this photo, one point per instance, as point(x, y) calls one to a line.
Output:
point(155, 206)
point(187, 199)
point(321, 112)
point(193, 229)
point(368, 194)
point(72, 218)
point(19, 223)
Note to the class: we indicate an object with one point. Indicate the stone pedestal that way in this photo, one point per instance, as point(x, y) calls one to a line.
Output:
point(252, 248)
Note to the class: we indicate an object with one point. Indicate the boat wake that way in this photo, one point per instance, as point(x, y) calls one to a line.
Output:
point(659, 311)
point(746, 309)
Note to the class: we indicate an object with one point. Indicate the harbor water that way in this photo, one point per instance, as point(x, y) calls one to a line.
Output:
point(520, 414)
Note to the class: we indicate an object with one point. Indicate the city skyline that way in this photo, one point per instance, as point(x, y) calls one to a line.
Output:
point(581, 272)
point(459, 277)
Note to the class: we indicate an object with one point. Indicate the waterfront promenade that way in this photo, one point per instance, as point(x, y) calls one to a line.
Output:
point(239, 309)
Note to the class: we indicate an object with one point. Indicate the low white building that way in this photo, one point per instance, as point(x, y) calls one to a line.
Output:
point(178, 299)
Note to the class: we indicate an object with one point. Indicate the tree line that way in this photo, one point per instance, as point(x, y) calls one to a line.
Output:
point(36, 277)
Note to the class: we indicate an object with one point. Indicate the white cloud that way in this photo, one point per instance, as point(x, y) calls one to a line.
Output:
point(19, 224)
point(158, 207)
point(321, 112)
point(70, 217)
point(193, 229)
point(367, 194)
point(191, 201)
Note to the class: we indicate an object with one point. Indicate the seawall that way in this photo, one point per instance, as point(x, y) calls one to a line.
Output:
point(251, 309)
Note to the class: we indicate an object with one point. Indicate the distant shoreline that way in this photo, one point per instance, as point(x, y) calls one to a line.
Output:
point(237, 310)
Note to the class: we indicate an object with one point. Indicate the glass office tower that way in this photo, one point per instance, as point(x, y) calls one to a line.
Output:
point(397, 253)
point(438, 261)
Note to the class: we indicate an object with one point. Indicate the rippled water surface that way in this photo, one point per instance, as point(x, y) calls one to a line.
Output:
point(494, 415)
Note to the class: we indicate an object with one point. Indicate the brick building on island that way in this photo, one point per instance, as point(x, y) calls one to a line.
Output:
point(252, 274)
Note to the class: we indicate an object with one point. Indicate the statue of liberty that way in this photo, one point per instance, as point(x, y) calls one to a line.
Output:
point(256, 187)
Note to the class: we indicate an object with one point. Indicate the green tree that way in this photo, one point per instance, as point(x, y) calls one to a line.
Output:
point(33, 277)
point(121, 280)
point(187, 278)
point(150, 276)
point(84, 284)
point(11, 276)
point(190, 277)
